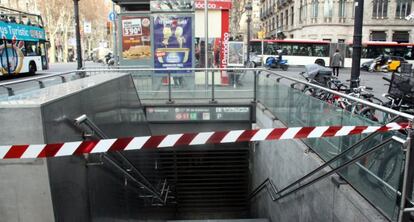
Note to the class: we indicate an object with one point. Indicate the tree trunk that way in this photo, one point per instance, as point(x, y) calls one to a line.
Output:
point(65, 44)
point(52, 49)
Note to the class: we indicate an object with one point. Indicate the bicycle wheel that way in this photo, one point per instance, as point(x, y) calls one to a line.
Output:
point(368, 113)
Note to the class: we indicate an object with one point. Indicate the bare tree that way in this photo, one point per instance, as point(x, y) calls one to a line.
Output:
point(237, 12)
point(58, 17)
point(54, 13)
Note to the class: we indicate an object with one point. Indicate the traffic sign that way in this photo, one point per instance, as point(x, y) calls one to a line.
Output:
point(112, 16)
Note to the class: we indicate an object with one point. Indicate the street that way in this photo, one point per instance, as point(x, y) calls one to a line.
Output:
point(370, 79)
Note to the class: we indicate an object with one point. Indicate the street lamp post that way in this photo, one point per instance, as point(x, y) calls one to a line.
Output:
point(78, 38)
point(249, 20)
point(356, 51)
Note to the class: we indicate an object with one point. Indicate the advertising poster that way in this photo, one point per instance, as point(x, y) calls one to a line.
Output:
point(136, 38)
point(236, 54)
point(173, 42)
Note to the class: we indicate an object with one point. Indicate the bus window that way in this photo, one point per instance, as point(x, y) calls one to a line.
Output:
point(256, 47)
point(42, 49)
point(295, 50)
point(270, 49)
point(364, 53)
point(31, 48)
point(410, 53)
point(320, 50)
point(286, 49)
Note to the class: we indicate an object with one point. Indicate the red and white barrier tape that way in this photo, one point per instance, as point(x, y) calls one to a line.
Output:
point(186, 139)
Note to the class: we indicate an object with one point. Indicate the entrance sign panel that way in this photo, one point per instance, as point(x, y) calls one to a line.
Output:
point(172, 42)
point(136, 37)
point(231, 113)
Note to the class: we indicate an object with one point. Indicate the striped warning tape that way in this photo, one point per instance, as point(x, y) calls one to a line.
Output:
point(186, 139)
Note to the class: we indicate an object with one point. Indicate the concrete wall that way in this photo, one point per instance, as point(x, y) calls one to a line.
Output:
point(64, 189)
point(24, 184)
point(287, 160)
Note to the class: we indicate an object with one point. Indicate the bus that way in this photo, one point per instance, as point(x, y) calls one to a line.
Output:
point(22, 43)
point(303, 52)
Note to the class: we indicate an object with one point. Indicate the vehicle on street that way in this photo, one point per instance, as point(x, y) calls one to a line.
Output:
point(384, 64)
point(109, 59)
point(305, 51)
point(99, 54)
point(23, 46)
point(275, 62)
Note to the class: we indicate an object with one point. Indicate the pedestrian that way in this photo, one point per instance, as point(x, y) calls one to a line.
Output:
point(336, 62)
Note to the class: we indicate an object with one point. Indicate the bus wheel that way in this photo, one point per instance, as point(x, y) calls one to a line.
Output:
point(320, 62)
point(32, 68)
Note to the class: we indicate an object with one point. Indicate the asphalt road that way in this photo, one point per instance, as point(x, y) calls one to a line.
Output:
point(370, 79)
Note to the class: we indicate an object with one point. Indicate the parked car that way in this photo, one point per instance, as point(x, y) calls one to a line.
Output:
point(255, 60)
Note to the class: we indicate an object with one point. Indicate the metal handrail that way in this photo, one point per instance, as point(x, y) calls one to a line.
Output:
point(83, 119)
point(265, 184)
point(334, 170)
point(38, 78)
point(174, 69)
point(358, 100)
point(355, 99)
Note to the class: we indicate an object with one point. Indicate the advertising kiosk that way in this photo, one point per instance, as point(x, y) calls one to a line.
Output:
point(170, 34)
point(219, 35)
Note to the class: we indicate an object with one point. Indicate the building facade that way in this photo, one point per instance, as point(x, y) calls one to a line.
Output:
point(333, 20)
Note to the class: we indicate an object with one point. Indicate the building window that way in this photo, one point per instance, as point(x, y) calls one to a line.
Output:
point(379, 8)
point(403, 8)
point(287, 18)
point(353, 9)
point(277, 22)
point(281, 20)
point(401, 36)
point(314, 8)
point(341, 9)
point(327, 8)
point(300, 11)
point(378, 36)
point(273, 23)
point(305, 12)
point(292, 17)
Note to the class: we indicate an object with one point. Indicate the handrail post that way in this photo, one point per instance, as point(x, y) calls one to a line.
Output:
point(10, 91)
point(41, 84)
point(213, 99)
point(408, 176)
point(255, 74)
point(170, 101)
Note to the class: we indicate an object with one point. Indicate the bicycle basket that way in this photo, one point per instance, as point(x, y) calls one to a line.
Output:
point(402, 85)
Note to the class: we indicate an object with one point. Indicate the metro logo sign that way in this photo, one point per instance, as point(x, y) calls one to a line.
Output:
point(213, 4)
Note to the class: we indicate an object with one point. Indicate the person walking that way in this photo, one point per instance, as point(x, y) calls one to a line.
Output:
point(336, 62)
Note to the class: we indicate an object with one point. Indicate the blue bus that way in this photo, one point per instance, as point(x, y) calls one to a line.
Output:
point(22, 43)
